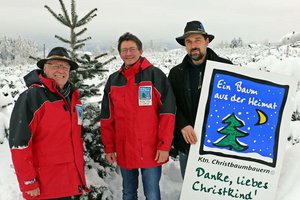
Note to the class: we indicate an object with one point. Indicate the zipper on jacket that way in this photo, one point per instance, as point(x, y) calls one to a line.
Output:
point(200, 81)
point(66, 105)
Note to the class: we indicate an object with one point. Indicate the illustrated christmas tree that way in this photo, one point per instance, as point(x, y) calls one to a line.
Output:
point(232, 133)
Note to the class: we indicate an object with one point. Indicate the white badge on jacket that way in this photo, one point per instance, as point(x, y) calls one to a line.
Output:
point(79, 114)
point(145, 96)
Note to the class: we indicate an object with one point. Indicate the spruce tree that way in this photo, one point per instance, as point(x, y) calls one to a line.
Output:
point(232, 133)
point(72, 22)
point(89, 66)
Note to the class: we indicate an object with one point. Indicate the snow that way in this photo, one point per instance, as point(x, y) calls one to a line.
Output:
point(290, 38)
point(9, 189)
point(288, 188)
point(258, 57)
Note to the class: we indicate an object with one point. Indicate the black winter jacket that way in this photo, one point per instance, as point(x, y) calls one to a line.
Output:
point(180, 81)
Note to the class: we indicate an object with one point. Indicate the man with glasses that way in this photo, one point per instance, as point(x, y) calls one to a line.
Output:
point(45, 132)
point(186, 80)
point(137, 120)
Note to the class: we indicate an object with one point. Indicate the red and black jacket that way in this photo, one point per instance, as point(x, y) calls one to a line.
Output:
point(45, 140)
point(133, 128)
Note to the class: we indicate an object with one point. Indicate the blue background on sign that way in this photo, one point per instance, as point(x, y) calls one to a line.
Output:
point(261, 138)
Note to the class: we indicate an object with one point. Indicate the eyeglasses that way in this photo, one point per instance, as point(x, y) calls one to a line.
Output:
point(131, 50)
point(59, 66)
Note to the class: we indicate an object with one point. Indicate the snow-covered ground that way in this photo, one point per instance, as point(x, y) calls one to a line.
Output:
point(259, 57)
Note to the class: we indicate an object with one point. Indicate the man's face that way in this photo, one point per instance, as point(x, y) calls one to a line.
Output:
point(129, 52)
point(58, 70)
point(196, 46)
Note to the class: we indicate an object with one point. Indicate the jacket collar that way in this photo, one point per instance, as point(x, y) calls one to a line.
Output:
point(49, 83)
point(35, 77)
point(141, 64)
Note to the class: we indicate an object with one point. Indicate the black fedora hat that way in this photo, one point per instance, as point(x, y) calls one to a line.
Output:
point(193, 27)
point(58, 53)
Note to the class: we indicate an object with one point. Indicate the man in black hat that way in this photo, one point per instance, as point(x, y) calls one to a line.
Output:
point(186, 80)
point(45, 132)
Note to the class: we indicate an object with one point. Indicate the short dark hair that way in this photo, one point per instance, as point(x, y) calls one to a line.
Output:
point(128, 36)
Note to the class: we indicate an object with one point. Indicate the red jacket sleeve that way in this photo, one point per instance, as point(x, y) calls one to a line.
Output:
point(22, 126)
point(167, 112)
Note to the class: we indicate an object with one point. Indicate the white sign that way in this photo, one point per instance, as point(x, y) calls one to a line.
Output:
point(242, 124)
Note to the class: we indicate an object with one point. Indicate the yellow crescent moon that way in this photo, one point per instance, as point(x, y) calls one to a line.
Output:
point(262, 117)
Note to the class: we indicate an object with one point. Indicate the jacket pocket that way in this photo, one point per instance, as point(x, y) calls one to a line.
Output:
point(45, 160)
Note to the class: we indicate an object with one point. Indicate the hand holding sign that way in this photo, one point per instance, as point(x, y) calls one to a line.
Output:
point(189, 134)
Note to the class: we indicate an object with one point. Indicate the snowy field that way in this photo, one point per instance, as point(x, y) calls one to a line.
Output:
point(258, 58)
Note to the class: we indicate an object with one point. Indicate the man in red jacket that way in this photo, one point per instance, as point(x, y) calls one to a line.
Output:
point(137, 119)
point(45, 132)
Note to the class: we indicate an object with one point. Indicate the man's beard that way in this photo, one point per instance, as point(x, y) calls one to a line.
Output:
point(196, 56)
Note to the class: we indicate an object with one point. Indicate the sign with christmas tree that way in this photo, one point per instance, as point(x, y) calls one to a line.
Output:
point(241, 125)
point(252, 109)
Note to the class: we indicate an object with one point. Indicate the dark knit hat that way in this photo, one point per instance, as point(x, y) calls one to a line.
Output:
point(193, 27)
point(58, 53)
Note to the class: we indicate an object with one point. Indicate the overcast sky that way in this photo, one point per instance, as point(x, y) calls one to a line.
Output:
point(157, 20)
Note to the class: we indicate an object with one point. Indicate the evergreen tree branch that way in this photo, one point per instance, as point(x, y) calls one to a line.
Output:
point(63, 20)
point(73, 14)
point(101, 55)
point(59, 17)
point(78, 46)
point(86, 57)
point(109, 60)
point(83, 40)
point(75, 21)
point(63, 39)
point(67, 18)
point(81, 32)
point(34, 58)
point(53, 13)
point(87, 18)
